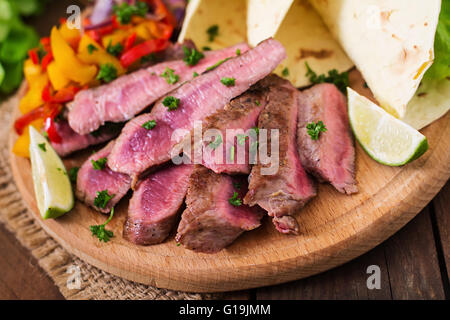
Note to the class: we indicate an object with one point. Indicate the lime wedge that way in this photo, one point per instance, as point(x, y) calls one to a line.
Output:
point(385, 138)
point(51, 183)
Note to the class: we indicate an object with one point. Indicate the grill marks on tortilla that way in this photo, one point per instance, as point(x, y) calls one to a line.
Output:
point(281, 194)
point(210, 223)
point(130, 94)
point(332, 157)
point(138, 149)
point(155, 205)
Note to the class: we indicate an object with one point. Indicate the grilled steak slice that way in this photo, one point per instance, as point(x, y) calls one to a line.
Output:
point(138, 149)
point(235, 123)
point(90, 181)
point(332, 157)
point(130, 94)
point(72, 141)
point(210, 222)
point(282, 193)
point(155, 204)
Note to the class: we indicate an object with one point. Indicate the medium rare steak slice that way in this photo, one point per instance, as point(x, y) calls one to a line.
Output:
point(138, 149)
point(332, 157)
point(155, 205)
point(91, 180)
point(72, 141)
point(287, 190)
point(130, 94)
point(236, 124)
point(210, 221)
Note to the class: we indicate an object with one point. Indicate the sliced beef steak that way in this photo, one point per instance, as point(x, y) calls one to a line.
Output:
point(155, 205)
point(234, 127)
point(90, 181)
point(138, 149)
point(210, 222)
point(130, 94)
point(332, 157)
point(283, 192)
point(72, 141)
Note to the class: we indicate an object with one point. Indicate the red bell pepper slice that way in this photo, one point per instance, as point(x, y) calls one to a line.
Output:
point(161, 10)
point(141, 50)
point(65, 95)
point(27, 118)
point(46, 93)
point(33, 56)
point(50, 125)
point(46, 60)
point(130, 41)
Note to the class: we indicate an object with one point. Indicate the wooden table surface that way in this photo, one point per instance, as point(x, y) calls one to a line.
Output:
point(414, 263)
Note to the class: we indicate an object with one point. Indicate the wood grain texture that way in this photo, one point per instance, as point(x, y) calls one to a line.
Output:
point(442, 211)
point(335, 228)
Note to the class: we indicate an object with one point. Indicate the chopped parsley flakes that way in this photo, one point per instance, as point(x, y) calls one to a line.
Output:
point(125, 11)
point(235, 200)
point(114, 50)
point(73, 174)
point(192, 56)
point(171, 103)
point(99, 164)
point(217, 64)
point(212, 32)
point(314, 129)
point(107, 73)
point(100, 232)
point(229, 82)
point(170, 76)
point(285, 72)
point(340, 80)
point(42, 147)
point(102, 199)
point(149, 125)
point(91, 48)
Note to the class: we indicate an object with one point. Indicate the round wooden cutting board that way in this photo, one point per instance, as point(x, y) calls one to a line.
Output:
point(335, 228)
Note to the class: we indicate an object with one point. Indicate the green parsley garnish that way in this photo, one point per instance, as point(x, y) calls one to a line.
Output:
point(238, 52)
point(171, 103)
point(91, 48)
point(235, 200)
point(114, 50)
point(149, 125)
point(340, 80)
point(205, 48)
point(217, 141)
point(257, 103)
point(99, 164)
point(107, 73)
point(195, 75)
point(178, 244)
point(192, 56)
point(102, 199)
point(100, 232)
point(229, 82)
point(285, 72)
point(213, 32)
point(170, 76)
point(314, 129)
point(256, 130)
point(42, 147)
point(217, 64)
point(73, 174)
point(125, 11)
point(148, 58)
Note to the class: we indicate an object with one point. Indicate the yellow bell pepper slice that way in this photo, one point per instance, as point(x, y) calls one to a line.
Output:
point(57, 77)
point(67, 61)
point(31, 70)
point(33, 97)
point(98, 55)
point(22, 145)
point(117, 36)
point(71, 36)
point(143, 31)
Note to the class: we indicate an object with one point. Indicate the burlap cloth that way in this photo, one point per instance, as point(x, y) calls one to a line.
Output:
point(54, 259)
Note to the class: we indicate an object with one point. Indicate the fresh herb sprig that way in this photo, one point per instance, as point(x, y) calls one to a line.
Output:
point(192, 56)
point(99, 164)
point(171, 103)
point(73, 174)
point(107, 73)
point(340, 80)
point(91, 48)
point(170, 76)
point(212, 32)
point(100, 232)
point(115, 49)
point(149, 125)
point(124, 12)
point(314, 129)
point(229, 82)
point(235, 200)
point(102, 199)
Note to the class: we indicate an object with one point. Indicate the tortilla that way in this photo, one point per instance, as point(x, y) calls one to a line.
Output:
point(391, 43)
point(301, 30)
point(228, 15)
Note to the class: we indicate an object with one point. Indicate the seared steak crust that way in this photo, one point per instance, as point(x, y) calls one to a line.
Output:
point(281, 194)
point(332, 157)
point(210, 223)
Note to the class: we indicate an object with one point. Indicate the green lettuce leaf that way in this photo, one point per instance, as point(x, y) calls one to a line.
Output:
point(441, 65)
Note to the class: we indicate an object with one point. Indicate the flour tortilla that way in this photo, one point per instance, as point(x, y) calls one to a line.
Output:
point(302, 32)
point(391, 43)
point(228, 15)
